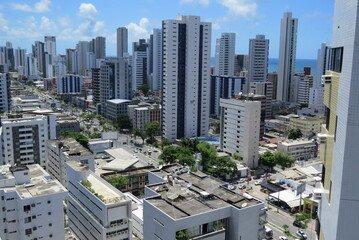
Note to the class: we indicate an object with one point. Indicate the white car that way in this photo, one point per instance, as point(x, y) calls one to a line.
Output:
point(302, 234)
point(259, 182)
point(283, 238)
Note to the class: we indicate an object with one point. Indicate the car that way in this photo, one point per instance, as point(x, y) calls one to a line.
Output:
point(149, 151)
point(242, 186)
point(283, 238)
point(231, 187)
point(302, 234)
point(241, 180)
point(135, 151)
point(298, 224)
point(259, 182)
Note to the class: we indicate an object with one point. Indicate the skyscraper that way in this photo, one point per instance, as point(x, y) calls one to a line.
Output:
point(156, 55)
point(50, 45)
point(339, 208)
point(225, 50)
point(258, 59)
point(39, 53)
point(139, 64)
point(83, 47)
point(186, 77)
point(100, 47)
point(287, 54)
point(122, 42)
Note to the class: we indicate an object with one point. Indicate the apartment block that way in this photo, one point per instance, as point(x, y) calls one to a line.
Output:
point(96, 210)
point(31, 203)
point(309, 126)
point(196, 206)
point(240, 128)
point(5, 94)
point(115, 107)
point(299, 149)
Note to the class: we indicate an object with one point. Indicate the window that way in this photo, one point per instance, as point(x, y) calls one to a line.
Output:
point(27, 208)
point(50, 224)
point(27, 219)
point(28, 231)
point(49, 213)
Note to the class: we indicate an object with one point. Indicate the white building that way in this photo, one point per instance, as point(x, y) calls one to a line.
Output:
point(30, 65)
point(287, 57)
point(61, 151)
point(197, 206)
point(339, 207)
point(258, 59)
point(225, 54)
point(299, 149)
point(266, 89)
point(156, 81)
point(5, 95)
point(31, 203)
point(304, 85)
point(122, 42)
point(139, 64)
point(82, 48)
point(20, 55)
point(186, 77)
point(69, 84)
point(240, 129)
point(96, 209)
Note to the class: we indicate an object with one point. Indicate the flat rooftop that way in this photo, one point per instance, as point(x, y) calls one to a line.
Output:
point(71, 147)
point(121, 159)
point(186, 194)
point(109, 195)
point(296, 142)
point(118, 101)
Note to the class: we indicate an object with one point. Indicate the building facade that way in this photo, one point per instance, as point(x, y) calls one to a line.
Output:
point(258, 59)
point(5, 94)
point(186, 77)
point(122, 42)
point(69, 83)
point(225, 54)
point(299, 149)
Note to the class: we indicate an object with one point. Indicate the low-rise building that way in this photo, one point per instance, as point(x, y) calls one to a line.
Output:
point(309, 126)
point(61, 151)
point(196, 206)
point(96, 209)
point(115, 107)
point(299, 149)
point(31, 203)
point(143, 113)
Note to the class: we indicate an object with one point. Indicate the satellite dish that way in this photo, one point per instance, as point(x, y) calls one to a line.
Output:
point(244, 205)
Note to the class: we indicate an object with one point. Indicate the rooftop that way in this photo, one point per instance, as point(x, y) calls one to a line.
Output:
point(189, 193)
point(118, 101)
point(121, 159)
point(70, 147)
point(296, 142)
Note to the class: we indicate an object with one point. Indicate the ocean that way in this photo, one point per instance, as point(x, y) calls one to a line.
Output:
point(300, 64)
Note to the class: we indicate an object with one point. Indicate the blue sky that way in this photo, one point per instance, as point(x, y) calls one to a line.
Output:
point(24, 21)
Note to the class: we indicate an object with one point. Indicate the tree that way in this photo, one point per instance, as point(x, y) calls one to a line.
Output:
point(152, 129)
point(295, 133)
point(124, 122)
point(181, 155)
point(285, 227)
point(216, 126)
point(82, 139)
point(208, 154)
point(137, 132)
point(304, 218)
point(267, 159)
point(190, 144)
point(237, 157)
point(283, 159)
point(165, 142)
point(144, 88)
point(117, 181)
point(169, 154)
point(222, 166)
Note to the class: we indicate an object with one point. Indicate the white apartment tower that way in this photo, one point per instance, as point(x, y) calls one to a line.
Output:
point(139, 64)
point(240, 128)
point(339, 208)
point(258, 59)
point(31, 203)
point(50, 45)
point(225, 54)
point(5, 94)
point(20, 55)
point(122, 42)
point(287, 57)
point(186, 77)
point(96, 209)
point(156, 83)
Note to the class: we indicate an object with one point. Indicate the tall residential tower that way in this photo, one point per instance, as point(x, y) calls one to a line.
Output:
point(225, 50)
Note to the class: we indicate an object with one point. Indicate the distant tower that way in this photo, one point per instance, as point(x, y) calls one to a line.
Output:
point(225, 54)
point(258, 59)
point(287, 57)
point(122, 42)
point(50, 45)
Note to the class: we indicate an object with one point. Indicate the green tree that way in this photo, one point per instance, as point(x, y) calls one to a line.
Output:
point(177, 154)
point(285, 227)
point(137, 132)
point(304, 218)
point(190, 144)
point(222, 166)
point(165, 142)
point(124, 122)
point(208, 154)
point(82, 139)
point(144, 88)
point(283, 159)
point(169, 154)
point(267, 159)
point(152, 129)
point(295, 133)
point(182, 235)
point(237, 157)
point(216, 126)
point(117, 181)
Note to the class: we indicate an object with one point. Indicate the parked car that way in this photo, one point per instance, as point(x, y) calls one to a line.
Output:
point(302, 234)
point(259, 182)
point(241, 180)
point(241, 186)
point(298, 224)
point(283, 238)
point(231, 187)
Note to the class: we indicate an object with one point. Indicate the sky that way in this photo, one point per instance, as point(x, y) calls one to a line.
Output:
point(24, 21)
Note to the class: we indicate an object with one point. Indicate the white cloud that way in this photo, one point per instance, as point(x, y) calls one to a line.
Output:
point(204, 3)
point(39, 7)
point(3, 21)
point(87, 11)
point(64, 22)
point(137, 31)
point(240, 8)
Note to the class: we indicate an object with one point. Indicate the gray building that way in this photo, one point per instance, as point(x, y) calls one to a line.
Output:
point(5, 94)
point(116, 107)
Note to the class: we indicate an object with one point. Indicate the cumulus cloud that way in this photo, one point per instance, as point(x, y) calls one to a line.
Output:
point(3, 21)
point(240, 8)
point(39, 7)
point(87, 11)
point(137, 31)
point(202, 2)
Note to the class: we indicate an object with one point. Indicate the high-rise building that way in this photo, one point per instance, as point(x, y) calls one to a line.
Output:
point(30, 65)
point(5, 94)
point(186, 77)
point(240, 128)
point(258, 59)
point(83, 47)
point(139, 64)
point(339, 207)
point(287, 57)
point(224, 87)
point(122, 42)
point(50, 45)
point(39, 53)
point(304, 85)
point(241, 63)
point(273, 78)
point(225, 54)
point(96, 85)
point(20, 55)
point(96, 209)
point(100, 47)
point(72, 61)
point(31, 203)
point(68, 83)
point(266, 89)
point(156, 63)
